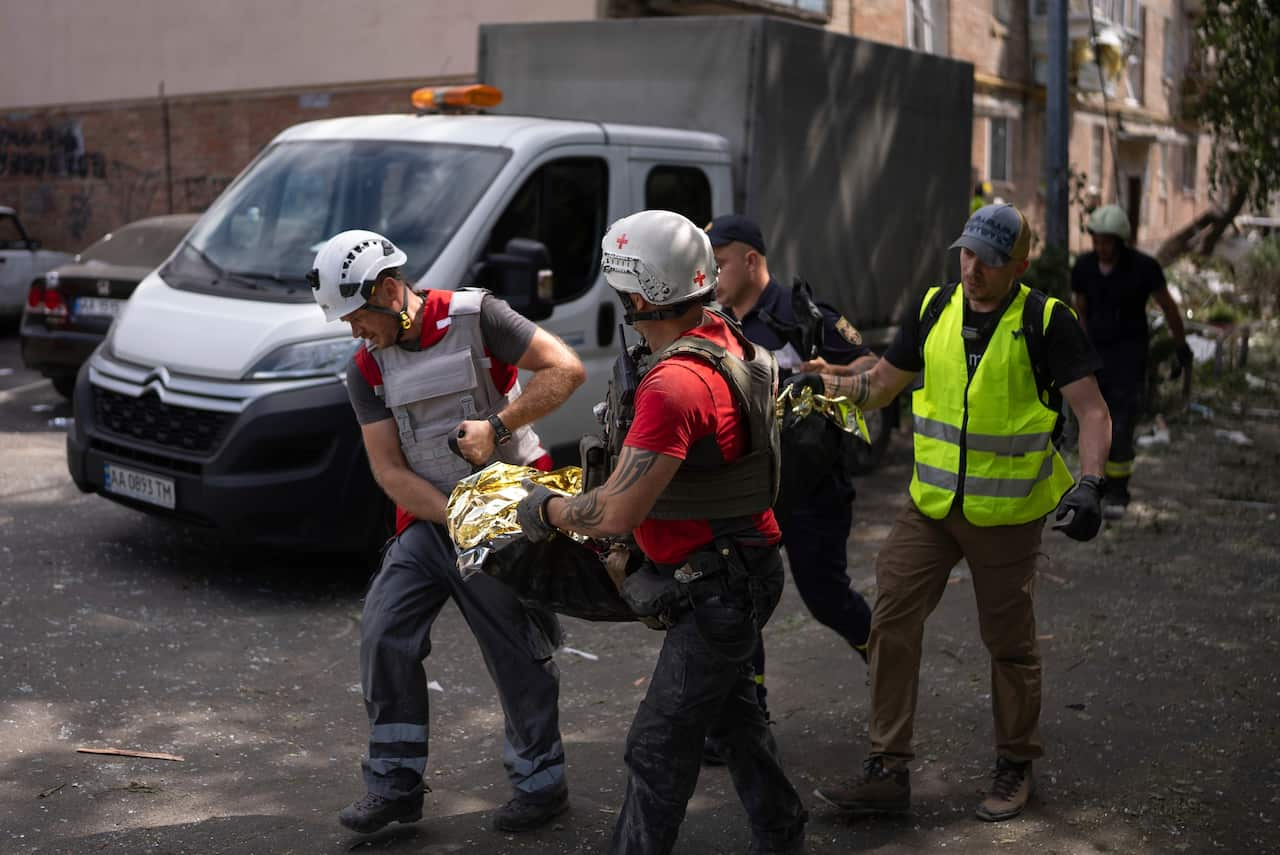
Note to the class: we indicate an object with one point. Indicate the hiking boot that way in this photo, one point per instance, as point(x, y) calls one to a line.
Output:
point(880, 790)
point(526, 813)
point(1011, 786)
point(374, 812)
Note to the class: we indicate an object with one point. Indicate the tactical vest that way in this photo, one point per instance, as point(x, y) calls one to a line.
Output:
point(431, 391)
point(706, 487)
point(1012, 472)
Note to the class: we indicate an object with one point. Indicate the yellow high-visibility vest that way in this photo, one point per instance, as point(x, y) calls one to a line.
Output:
point(1012, 472)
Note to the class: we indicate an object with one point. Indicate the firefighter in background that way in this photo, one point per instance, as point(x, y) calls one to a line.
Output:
point(1111, 287)
point(440, 366)
point(694, 485)
point(815, 526)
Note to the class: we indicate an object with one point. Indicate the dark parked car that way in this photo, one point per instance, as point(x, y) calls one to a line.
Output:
point(70, 308)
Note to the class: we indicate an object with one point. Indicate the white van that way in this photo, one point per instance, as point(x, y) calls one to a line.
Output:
point(219, 396)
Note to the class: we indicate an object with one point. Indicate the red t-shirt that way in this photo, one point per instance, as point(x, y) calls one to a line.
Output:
point(435, 325)
point(681, 400)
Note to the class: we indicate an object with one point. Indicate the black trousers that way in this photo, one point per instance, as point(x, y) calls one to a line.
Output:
point(702, 686)
point(816, 538)
point(1122, 382)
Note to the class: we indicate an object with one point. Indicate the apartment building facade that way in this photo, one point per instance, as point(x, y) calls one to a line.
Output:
point(109, 113)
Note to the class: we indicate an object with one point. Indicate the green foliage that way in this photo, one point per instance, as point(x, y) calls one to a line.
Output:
point(1235, 95)
point(1050, 272)
point(1258, 278)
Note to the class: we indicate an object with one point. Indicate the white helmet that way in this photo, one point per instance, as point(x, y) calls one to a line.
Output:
point(661, 256)
point(346, 269)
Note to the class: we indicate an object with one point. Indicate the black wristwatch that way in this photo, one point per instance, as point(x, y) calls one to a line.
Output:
point(500, 432)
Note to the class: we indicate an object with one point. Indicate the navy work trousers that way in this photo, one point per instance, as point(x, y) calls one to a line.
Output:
point(418, 575)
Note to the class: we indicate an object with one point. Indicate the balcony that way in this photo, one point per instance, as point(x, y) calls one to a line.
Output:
point(1108, 30)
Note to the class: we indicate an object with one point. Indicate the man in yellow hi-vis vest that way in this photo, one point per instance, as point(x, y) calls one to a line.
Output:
point(994, 360)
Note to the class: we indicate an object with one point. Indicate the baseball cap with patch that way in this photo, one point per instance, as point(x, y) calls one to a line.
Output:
point(727, 228)
point(997, 234)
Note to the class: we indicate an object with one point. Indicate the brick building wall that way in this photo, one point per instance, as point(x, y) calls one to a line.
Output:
point(75, 173)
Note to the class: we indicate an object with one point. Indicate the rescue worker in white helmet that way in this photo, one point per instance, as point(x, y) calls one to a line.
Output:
point(1111, 287)
point(693, 484)
point(441, 366)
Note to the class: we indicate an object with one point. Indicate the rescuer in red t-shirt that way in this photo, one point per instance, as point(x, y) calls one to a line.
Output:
point(693, 485)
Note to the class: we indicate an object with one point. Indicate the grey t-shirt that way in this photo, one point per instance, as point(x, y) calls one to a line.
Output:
point(506, 335)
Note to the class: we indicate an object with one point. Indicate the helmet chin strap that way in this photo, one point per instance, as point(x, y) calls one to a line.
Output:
point(402, 315)
point(630, 315)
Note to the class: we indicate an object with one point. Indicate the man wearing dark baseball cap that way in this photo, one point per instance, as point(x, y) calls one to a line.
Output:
point(994, 359)
point(997, 234)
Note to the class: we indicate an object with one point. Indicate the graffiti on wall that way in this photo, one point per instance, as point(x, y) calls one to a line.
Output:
point(55, 150)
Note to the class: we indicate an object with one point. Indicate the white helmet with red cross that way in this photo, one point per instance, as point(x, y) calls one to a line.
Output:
point(661, 256)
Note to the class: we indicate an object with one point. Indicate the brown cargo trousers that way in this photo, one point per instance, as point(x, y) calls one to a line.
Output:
point(911, 572)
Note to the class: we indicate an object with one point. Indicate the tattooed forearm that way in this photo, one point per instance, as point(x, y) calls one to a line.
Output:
point(856, 388)
point(582, 512)
point(616, 506)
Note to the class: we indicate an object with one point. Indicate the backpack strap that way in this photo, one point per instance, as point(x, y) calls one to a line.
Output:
point(932, 311)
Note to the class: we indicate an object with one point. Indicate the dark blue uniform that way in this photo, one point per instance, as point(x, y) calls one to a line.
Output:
point(815, 534)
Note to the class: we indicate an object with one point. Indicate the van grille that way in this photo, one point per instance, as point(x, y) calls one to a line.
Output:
point(151, 420)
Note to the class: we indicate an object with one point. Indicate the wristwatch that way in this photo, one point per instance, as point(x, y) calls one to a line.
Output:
point(500, 432)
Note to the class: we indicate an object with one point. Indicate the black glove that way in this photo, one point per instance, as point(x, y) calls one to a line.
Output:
point(1183, 352)
point(531, 513)
point(799, 381)
point(1084, 503)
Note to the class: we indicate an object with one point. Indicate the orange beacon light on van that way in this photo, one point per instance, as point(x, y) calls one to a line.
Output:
point(456, 99)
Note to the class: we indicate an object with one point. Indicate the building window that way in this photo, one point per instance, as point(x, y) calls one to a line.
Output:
point(998, 149)
point(1096, 155)
point(570, 190)
point(927, 26)
point(1170, 49)
point(1189, 166)
point(1003, 10)
point(1137, 58)
point(683, 189)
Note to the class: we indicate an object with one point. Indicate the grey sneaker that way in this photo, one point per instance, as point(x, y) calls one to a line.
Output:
point(373, 812)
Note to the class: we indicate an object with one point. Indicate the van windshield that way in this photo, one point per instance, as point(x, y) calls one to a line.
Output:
point(263, 233)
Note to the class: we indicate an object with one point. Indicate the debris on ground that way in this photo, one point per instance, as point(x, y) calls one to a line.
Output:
point(44, 794)
point(584, 654)
point(1234, 437)
point(1159, 434)
point(123, 752)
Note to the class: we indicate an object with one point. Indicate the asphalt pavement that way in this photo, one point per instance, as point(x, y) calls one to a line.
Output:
point(119, 630)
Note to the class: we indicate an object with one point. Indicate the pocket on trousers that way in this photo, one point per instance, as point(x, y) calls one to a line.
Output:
point(727, 627)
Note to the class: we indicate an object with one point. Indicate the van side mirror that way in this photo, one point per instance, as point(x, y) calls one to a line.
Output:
point(521, 275)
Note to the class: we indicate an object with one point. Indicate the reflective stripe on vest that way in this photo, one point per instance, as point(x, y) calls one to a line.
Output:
point(1012, 472)
point(431, 391)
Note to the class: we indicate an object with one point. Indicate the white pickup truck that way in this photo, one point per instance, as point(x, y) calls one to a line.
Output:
point(21, 260)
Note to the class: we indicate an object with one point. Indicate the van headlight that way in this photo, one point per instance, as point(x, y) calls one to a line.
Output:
point(305, 359)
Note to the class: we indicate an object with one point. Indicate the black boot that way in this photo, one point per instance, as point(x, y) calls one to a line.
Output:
point(374, 812)
point(525, 813)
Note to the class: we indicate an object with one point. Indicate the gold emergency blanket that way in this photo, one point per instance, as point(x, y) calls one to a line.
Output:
point(482, 506)
point(839, 410)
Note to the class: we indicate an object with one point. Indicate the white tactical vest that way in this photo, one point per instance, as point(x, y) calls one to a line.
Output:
point(431, 391)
